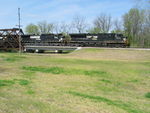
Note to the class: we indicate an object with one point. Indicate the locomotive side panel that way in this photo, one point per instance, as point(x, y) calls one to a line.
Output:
point(84, 40)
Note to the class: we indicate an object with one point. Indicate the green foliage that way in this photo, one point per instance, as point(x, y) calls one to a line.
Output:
point(32, 29)
point(119, 104)
point(41, 28)
point(136, 27)
point(67, 37)
point(117, 31)
point(6, 83)
point(45, 27)
point(147, 95)
point(94, 30)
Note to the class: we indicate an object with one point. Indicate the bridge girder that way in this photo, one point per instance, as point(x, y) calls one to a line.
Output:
point(9, 38)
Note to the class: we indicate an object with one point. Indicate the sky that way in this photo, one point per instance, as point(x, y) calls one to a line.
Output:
point(53, 11)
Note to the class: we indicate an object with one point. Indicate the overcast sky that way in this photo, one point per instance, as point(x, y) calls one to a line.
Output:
point(33, 11)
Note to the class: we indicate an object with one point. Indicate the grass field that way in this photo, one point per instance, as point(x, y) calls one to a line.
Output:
point(90, 80)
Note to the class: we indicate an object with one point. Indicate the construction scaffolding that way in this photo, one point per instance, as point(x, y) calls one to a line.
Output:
point(11, 39)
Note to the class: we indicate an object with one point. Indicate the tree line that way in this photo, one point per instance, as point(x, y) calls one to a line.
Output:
point(135, 24)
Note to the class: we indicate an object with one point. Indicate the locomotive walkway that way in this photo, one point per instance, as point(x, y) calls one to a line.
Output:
point(50, 48)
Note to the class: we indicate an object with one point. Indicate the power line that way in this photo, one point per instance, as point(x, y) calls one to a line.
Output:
point(19, 25)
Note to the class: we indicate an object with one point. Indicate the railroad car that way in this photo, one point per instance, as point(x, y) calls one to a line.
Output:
point(82, 40)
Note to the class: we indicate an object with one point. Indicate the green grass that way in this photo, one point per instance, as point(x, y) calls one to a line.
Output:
point(60, 70)
point(13, 58)
point(22, 81)
point(119, 104)
point(106, 81)
point(147, 95)
point(6, 83)
point(14, 81)
point(89, 80)
point(30, 92)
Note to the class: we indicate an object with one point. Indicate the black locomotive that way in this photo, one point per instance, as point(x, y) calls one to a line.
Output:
point(78, 40)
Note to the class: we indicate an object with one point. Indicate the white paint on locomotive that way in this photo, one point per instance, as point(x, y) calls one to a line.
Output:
point(35, 37)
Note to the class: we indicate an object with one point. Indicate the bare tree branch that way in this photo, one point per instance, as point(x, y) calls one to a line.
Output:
point(103, 22)
point(79, 23)
point(45, 27)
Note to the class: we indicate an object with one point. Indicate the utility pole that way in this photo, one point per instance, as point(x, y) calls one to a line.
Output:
point(19, 25)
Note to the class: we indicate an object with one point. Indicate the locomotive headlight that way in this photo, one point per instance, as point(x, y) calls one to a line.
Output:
point(124, 39)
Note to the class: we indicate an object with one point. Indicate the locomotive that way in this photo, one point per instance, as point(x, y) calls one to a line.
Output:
point(77, 40)
point(11, 38)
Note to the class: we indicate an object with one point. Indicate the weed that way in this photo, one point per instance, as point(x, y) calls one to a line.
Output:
point(96, 73)
point(6, 83)
point(106, 81)
point(22, 81)
point(133, 80)
point(30, 92)
point(147, 95)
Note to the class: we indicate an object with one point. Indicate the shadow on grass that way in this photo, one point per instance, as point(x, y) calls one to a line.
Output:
point(60, 70)
point(118, 104)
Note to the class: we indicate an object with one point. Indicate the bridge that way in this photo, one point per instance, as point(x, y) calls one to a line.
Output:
point(9, 38)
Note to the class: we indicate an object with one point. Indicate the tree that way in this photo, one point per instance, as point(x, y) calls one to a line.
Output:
point(133, 22)
point(145, 34)
point(103, 22)
point(67, 38)
point(142, 4)
point(32, 29)
point(94, 30)
point(117, 26)
point(79, 23)
point(62, 27)
point(56, 28)
point(65, 28)
point(137, 24)
point(45, 27)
